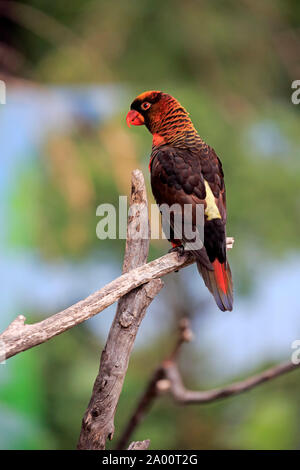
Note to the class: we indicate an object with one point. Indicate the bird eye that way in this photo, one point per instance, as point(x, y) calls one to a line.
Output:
point(145, 105)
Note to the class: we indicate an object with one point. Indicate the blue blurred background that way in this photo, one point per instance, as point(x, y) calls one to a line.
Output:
point(71, 72)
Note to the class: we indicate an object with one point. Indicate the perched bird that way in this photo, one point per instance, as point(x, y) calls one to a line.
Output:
point(185, 170)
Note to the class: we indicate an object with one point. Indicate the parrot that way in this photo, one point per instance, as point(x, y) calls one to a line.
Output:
point(186, 170)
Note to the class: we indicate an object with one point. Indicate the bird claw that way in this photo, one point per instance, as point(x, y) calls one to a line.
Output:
point(177, 249)
point(180, 248)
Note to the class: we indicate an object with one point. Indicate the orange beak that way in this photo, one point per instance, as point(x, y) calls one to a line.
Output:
point(135, 118)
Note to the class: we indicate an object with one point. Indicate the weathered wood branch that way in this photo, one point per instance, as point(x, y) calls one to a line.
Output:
point(167, 379)
point(20, 336)
point(187, 397)
point(98, 421)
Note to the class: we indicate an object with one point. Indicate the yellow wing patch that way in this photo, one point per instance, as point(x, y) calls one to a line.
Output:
point(211, 211)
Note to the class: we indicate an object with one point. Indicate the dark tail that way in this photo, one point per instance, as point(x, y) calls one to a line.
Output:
point(219, 283)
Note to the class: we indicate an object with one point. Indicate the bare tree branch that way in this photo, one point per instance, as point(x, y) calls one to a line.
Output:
point(167, 379)
point(19, 336)
point(98, 421)
point(188, 397)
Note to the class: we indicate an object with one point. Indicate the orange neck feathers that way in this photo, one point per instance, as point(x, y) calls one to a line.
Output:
point(171, 125)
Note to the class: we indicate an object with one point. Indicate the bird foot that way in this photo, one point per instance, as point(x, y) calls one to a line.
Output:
point(177, 249)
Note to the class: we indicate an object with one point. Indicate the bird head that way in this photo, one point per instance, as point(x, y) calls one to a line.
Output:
point(158, 111)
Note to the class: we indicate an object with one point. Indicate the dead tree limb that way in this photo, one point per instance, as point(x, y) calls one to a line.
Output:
point(98, 421)
point(20, 336)
point(187, 397)
point(167, 379)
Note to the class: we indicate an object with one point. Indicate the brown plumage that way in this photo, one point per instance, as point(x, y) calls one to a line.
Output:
point(185, 170)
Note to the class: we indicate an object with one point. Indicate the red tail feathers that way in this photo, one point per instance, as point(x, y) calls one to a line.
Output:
point(220, 275)
point(219, 282)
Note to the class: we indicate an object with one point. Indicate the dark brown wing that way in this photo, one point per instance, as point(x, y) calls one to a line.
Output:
point(178, 177)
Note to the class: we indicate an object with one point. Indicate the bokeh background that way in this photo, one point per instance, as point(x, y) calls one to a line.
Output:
point(71, 70)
